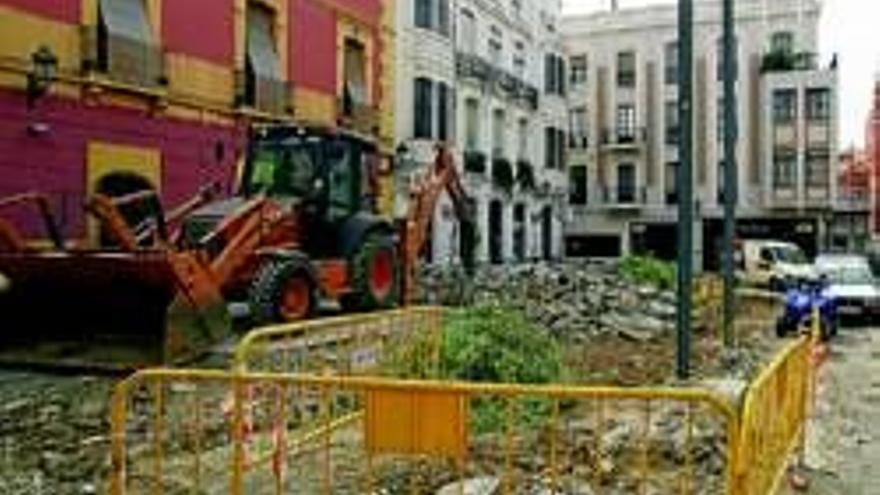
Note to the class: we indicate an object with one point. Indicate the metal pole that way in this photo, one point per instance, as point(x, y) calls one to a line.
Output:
point(685, 186)
point(731, 132)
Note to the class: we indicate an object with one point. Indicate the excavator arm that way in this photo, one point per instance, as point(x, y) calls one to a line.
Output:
point(424, 195)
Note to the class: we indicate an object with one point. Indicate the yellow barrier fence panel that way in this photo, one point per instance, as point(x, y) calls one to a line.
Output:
point(179, 431)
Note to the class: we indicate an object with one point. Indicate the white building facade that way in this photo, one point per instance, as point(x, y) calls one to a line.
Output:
point(488, 78)
point(623, 100)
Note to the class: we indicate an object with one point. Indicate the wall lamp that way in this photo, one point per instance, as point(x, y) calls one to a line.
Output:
point(44, 70)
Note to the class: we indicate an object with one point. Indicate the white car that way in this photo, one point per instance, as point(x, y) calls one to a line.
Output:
point(775, 265)
point(852, 284)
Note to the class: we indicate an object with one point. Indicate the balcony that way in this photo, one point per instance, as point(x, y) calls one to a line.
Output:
point(359, 117)
point(263, 94)
point(503, 83)
point(527, 95)
point(624, 139)
point(623, 196)
point(475, 162)
point(853, 202)
point(578, 142)
point(468, 65)
point(525, 176)
point(122, 59)
point(502, 174)
point(787, 61)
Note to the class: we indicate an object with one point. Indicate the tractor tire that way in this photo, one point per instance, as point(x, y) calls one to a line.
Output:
point(282, 291)
point(375, 275)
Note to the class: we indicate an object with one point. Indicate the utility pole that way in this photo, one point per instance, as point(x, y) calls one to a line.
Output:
point(685, 181)
point(731, 133)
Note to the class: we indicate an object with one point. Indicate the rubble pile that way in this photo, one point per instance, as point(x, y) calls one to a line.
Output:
point(577, 300)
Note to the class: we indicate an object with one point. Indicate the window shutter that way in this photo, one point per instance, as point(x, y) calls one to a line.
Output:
point(548, 73)
point(549, 153)
point(442, 112)
point(560, 76)
point(422, 107)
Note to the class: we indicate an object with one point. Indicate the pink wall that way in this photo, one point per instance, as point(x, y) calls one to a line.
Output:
point(313, 46)
point(55, 162)
point(202, 28)
point(62, 10)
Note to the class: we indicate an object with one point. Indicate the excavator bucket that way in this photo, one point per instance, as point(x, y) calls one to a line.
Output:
point(139, 303)
point(107, 310)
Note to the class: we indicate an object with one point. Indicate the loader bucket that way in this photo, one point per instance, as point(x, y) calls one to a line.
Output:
point(115, 310)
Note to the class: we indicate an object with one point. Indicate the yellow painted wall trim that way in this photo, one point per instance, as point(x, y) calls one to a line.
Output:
point(346, 29)
point(107, 158)
point(200, 79)
point(314, 106)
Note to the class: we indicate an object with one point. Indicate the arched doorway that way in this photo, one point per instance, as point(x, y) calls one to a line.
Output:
point(496, 232)
point(118, 184)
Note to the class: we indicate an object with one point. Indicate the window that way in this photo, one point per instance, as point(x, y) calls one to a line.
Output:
point(498, 133)
point(578, 126)
point(423, 13)
point(784, 106)
point(671, 183)
point(818, 170)
point(626, 123)
point(784, 170)
point(626, 69)
point(554, 74)
point(818, 104)
point(424, 91)
point(578, 69)
point(519, 60)
point(433, 15)
point(124, 47)
point(673, 130)
point(262, 66)
point(626, 183)
point(523, 139)
point(577, 185)
point(472, 124)
point(720, 59)
point(517, 7)
point(468, 31)
point(355, 67)
point(782, 42)
point(554, 148)
point(443, 17)
point(495, 50)
point(443, 110)
point(671, 62)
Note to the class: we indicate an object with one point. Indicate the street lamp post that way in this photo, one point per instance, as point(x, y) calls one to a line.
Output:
point(685, 187)
point(731, 132)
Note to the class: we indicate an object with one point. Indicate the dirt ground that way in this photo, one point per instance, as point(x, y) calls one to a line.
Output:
point(843, 440)
point(54, 430)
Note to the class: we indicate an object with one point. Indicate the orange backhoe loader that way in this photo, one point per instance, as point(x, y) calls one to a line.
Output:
point(303, 230)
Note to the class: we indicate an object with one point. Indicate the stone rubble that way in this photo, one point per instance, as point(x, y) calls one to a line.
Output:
point(571, 300)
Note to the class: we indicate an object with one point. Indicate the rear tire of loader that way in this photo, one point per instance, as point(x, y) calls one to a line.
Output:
point(375, 276)
point(282, 291)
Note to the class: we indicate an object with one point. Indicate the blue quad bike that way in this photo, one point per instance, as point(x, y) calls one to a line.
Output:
point(798, 310)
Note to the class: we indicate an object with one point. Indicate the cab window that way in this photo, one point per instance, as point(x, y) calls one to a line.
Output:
point(343, 161)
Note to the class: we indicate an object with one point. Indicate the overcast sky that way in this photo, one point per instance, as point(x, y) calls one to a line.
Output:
point(849, 28)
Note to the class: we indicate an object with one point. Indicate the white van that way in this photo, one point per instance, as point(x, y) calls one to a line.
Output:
point(774, 264)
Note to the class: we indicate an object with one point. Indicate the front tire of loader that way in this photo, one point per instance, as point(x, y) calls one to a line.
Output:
point(375, 275)
point(282, 291)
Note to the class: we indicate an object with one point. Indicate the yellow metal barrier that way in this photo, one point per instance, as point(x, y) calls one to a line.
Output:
point(351, 344)
point(179, 431)
point(296, 415)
